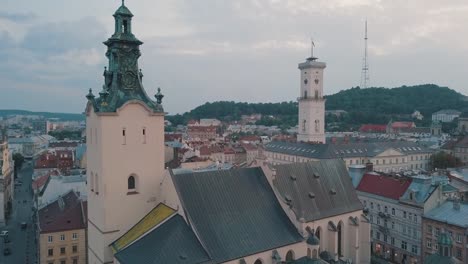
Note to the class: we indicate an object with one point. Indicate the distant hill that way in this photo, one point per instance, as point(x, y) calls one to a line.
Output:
point(427, 99)
point(371, 105)
point(61, 116)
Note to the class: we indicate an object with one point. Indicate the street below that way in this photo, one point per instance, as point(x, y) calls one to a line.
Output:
point(22, 240)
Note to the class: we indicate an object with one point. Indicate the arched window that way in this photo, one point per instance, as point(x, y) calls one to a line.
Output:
point(305, 94)
point(131, 183)
point(316, 94)
point(309, 254)
point(258, 261)
point(290, 255)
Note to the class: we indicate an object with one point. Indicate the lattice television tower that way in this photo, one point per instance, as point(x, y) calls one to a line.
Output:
point(365, 63)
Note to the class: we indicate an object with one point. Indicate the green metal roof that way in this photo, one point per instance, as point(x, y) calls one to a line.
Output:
point(123, 10)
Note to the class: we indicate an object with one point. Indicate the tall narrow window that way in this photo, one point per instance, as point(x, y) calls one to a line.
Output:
point(131, 183)
point(304, 125)
point(144, 135)
point(305, 94)
point(125, 26)
point(124, 136)
point(96, 183)
point(340, 238)
point(316, 95)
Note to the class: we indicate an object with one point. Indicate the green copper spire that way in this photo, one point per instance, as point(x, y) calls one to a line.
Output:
point(122, 77)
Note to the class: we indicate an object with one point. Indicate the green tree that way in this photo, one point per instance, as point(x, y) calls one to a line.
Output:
point(443, 160)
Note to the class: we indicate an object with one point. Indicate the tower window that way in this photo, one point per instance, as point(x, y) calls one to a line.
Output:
point(131, 185)
point(305, 94)
point(125, 26)
point(304, 125)
point(144, 135)
point(316, 94)
point(124, 136)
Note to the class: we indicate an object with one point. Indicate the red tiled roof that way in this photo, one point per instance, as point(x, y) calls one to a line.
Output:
point(66, 213)
point(250, 138)
point(211, 129)
point(250, 147)
point(403, 124)
point(385, 186)
point(39, 182)
point(172, 137)
point(373, 128)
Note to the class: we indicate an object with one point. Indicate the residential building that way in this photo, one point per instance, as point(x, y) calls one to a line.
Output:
point(56, 186)
point(445, 115)
point(451, 218)
point(6, 179)
point(203, 133)
point(417, 115)
point(385, 156)
point(458, 148)
point(463, 123)
point(395, 208)
point(30, 147)
point(62, 231)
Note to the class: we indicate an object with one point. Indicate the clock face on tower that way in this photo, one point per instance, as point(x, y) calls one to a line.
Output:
point(305, 81)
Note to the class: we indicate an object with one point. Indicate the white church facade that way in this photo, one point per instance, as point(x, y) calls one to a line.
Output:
point(138, 212)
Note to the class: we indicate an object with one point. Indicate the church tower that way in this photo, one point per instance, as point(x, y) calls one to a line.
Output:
point(311, 102)
point(125, 144)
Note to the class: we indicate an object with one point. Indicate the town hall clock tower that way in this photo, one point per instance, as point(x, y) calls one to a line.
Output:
point(125, 144)
point(311, 102)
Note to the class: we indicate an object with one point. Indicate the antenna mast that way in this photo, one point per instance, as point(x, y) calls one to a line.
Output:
point(365, 63)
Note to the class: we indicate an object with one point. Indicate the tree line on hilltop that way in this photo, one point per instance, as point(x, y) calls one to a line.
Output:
point(363, 106)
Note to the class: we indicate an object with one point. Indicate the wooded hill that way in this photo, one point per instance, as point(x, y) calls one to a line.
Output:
point(371, 105)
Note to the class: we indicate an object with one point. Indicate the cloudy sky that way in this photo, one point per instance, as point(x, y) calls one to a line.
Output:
point(51, 51)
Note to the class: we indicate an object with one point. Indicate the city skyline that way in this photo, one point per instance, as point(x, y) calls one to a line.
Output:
point(225, 51)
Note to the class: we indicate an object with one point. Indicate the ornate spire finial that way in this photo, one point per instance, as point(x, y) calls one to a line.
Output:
point(123, 2)
point(90, 95)
point(159, 96)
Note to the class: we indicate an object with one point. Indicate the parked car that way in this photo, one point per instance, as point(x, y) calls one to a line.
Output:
point(4, 233)
point(6, 251)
